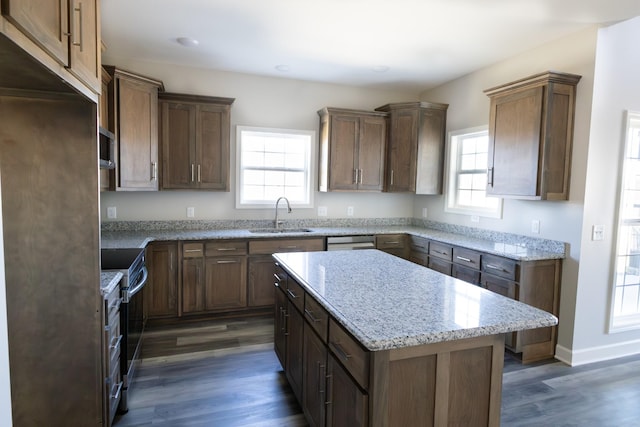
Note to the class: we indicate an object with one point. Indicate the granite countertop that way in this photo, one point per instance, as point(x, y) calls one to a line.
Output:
point(109, 280)
point(387, 302)
point(513, 248)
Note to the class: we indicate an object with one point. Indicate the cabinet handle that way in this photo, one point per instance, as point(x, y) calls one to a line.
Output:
point(220, 261)
point(494, 267)
point(291, 294)
point(286, 322)
point(199, 174)
point(321, 375)
point(361, 173)
point(288, 247)
point(226, 249)
point(193, 172)
point(355, 176)
point(277, 277)
point(309, 314)
point(341, 351)
point(193, 250)
point(116, 395)
point(490, 176)
point(329, 378)
point(392, 242)
point(73, 32)
point(463, 259)
point(391, 176)
point(154, 171)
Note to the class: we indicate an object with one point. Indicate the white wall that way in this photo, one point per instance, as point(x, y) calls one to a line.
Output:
point(5, 384)
point(469, 106)
point(260, 101)
point(616, 89)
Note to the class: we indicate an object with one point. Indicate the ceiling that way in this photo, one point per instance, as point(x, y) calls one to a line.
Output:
point(394, 44)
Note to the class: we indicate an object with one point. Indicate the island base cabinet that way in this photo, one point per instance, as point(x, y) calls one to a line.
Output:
point(294, 348)
point(314, 378)
point(347, 405)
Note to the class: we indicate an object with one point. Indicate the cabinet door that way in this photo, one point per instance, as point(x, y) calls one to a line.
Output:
point(347, 404)
point(84, 53)
point(371, 149)
point(505, 288)
point(344, 141)
point(514, 143)
point(295, 343)
point(212, 147)
point(280, 325)
point(260, 281)
point(401, 168)
point(161, 291)
point(137, 135)
point(44, 22)
point(178, 135)
point(315, 370)
point(226, 282)
point(193, 285)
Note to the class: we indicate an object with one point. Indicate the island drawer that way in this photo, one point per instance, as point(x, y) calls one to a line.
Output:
point(226, 247)
point(440, 265)
point(316, 316)
point(295, 294)
point(498, 266)
point(440, 250)
point(467, 274)
point(348, 351)
point(467, 257)
point(268, 247)
point(192, 250)
point(391, 241)
point(280, 278)
point(419, 244)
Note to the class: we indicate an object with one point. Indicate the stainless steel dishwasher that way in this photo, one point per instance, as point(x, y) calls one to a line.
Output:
point(348, 243)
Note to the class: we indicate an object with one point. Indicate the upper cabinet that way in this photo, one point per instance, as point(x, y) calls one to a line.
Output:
point(415, 153)
point(530, 137)
point(133, 118)
point(194, 131)
point(67, 30)
point(352, 148)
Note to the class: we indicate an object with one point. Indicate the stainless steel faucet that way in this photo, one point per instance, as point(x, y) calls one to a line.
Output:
point(277, 223)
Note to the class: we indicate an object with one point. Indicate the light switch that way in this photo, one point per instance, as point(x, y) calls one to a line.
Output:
point(191, 212)
point(598, 232)
point(350, 211)
point(322, 211)
point(111, 212)
point(535, 226)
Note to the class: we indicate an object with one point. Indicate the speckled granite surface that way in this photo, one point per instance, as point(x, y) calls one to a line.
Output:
point(387, 302)
point(137, 234)
point(109, 280)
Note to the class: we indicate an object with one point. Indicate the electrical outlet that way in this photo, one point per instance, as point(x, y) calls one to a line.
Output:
point(191, 212)
point(535, 226)
point(597, 232)
point(111, 212)
point(350, 211)
point(322, 211)
point(424, 212)
point(475, 218)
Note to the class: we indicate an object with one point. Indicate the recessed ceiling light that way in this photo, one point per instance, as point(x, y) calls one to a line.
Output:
point(187, 41)
point(380, 68)
point(282, 67)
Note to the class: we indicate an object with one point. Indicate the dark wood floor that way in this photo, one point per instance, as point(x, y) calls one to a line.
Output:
point(224, 373)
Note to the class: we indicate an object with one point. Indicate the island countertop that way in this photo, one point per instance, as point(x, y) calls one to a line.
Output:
point(386, 302)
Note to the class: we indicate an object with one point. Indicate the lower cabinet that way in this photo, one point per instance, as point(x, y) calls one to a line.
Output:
point(112, 340)
point(161, 290)
point(295, 328)
point(314, 395)
point(347, 405)
point(260, 281)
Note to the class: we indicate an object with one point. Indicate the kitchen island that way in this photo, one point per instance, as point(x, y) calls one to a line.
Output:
point(367, 338)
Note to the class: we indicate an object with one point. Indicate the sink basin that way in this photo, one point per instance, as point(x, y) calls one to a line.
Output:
point(280, 230)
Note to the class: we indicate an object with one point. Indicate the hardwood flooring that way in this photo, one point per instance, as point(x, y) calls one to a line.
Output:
point(224, 373)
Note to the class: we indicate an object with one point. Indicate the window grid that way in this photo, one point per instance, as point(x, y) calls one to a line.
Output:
point(626, 299)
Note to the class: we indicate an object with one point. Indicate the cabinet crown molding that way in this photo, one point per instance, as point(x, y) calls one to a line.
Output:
point(536, 80)
point(118, 72)
point(184, 97)
point(417, 104)
point(332, 110)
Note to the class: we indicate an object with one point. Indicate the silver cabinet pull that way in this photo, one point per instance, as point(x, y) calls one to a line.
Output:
point(329, 378)
point(355, 176)
point(221, 261)
point(391, 176)
point(341, 351)
point(463, 259)
point(199, 174)
point(310, 315)
point(277, 277)
point(116, 395)
point(321, 367)
point(291, 294)
point(226, 249)
point(490, 176)
point(154, 171)
point(193, 250)
point(361, 173)
point(193, 172)
point(494, 267)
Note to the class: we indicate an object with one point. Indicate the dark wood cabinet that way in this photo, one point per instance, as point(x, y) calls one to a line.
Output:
point(192, 285)
point(415, 147)
point(161, 290)
point(112, 342)
point(352, 150)
point(347, 404)
point(260, 281)
point(68, 30)
point(294, 349)
point(314, 378)
point(195, 132)
point(530, 137)
point(133, 118)
point(394, 244)
point(280, 316)
point(225, 282)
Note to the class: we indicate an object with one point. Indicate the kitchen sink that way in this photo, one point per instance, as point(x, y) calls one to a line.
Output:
point(280, 230)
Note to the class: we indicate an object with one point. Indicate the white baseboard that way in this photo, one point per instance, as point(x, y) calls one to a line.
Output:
point(596, 354)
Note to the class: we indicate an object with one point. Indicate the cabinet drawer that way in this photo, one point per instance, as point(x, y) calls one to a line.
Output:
point(295, 294)
point(467, 274)
point(350, 354)
point(440, 265)
point(419, 244)
point(285, 245)
point(280, 278)
point(316, 316)
point(192, 250)
point(391, 241)
point(419, 258)
point(466, 257)
point(498, 266)
point(112, 304)
point(440, 250)
point(226, 247)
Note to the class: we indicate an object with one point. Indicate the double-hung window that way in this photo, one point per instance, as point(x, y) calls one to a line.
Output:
point(274, 163)
point(467, 174)
point(626, 280)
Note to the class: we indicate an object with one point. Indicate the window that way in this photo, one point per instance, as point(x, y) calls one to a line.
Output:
point(626, 280)
point(274, 163)
point(467, 177)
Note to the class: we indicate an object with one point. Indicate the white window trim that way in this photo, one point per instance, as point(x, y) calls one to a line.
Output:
point(627, 322)
point(450, 178)
point(312, 169)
